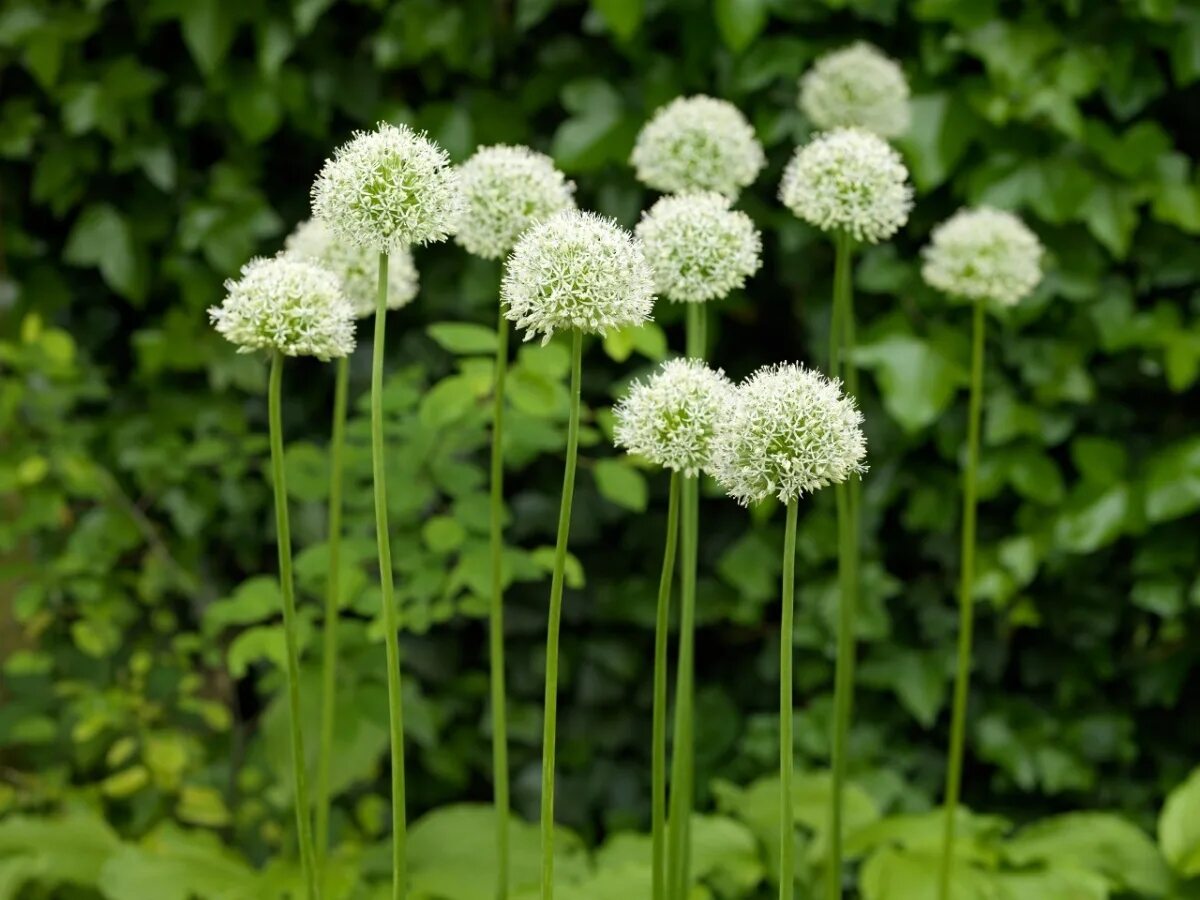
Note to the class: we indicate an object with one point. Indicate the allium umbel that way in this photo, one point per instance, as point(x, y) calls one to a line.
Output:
point(697, 144)
point(984, 254)
point(577, 270)
point(698, 247)
point(671, 418)
point(787, 432)
point(386, 189)
point(505, 191)
point(356, 266)
point(857, 86)
point(848, 180)
point(291, 306)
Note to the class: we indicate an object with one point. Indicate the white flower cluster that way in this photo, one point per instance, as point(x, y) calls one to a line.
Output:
point(697, 144)
point(505, 190)
point(698, 247)
point(857, 86)
point(576, 270)
point(788, 431)
point(984, 254)
point(848, 180)
point(671, 418)
point(356, 266)
point(386, 189)
point(292, 306)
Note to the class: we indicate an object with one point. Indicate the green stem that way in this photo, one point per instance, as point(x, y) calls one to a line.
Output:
point(658, 778)
point(787, 826)
point(550, 720)
point(288, 592)
point(332, 603)
point(958, 727)
point(496, 623)
point(390, 627)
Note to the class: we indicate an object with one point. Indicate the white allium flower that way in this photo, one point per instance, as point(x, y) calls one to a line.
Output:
point(698, 247)
point(848, 180)
point(671, 418)
point(857, 86)
point(356, 266)
point(577, 270)
point(293, 306)
point(388, 188)
point(788, 431)
point(505, 190)
point(984, 254)
point(697, 144)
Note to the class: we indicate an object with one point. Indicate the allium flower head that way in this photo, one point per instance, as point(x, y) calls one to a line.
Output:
point(505, 190)
point(848, 180)
point(356, 266)
point(984, 254)
point(671, 418)
point(698, 247)
point(788, 431)
point(576, 270)
point(697, 144)
point(386, 189)
point(857, 86)
point(293, 306)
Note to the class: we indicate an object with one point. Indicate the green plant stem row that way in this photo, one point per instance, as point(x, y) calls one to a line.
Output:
point(658, 777)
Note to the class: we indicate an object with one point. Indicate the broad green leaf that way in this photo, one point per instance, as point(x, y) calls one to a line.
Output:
point(739, 22)
point(70, 848)
point(102, 238)
point(622, 16)
point(1089, 519)
point(620, 483)
point(894, 873)
point(1179, 827)
point(917, 378)
point(306, 471)
point(942, 129)
point(463, 338)
point(208, 30)
point(173, 864)
point(1173, 482)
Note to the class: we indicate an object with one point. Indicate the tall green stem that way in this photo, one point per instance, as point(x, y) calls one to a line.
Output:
point(787, 825)
point(390, 628)
point(333, 538)
point(658, 777)
point(283, 537)
point(550, 721)
point(962, 679)
point(496, 622)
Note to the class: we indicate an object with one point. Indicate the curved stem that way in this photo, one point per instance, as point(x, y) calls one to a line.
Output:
point(288, 593)
point(496, 622)
point(966, 599)
point(550, 720)
point(787, 826)
point(332, 601)
point(658, 777)
point(387, 590)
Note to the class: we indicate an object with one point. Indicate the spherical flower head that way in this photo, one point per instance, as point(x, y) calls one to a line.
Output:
point(848, 180)
point(671, 418)
point(788, 431)
point(386, 189)
point(698, 247)
point(697, 144)
point(287, 305)
point(506, 190)
point(577, 270)
point(356, 266)
point(984, 254)
point(857, 86)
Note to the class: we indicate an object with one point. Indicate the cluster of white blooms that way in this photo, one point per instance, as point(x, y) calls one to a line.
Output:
point(698, 247)
point(577, 270)
point(857, 86)
point(697, 144)
point(387, 189)
point(848, 180)
point(505, 190)
point(356, 266)
point(671, 418)
point(788, 431)
point(293, 306)
point(984, 254)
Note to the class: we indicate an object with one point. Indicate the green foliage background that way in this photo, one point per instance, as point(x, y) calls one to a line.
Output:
point(150, 147)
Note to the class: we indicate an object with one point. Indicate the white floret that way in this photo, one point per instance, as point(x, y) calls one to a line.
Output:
point(984, 254)
point(857, 86)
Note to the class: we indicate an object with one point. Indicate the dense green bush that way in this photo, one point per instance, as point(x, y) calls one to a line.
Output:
point(151, 147)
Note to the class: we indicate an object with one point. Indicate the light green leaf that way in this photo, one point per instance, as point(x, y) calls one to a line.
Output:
point(102, 238)
point(917, 378)
point(621, 484)
point(463, 338)
point(1173, 482)
point(622, 16)
point(208, 30)
point(739, 22)
point(1179, 827)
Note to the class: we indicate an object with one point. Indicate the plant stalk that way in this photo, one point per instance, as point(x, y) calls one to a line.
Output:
point(787, 824)
point(658, 778)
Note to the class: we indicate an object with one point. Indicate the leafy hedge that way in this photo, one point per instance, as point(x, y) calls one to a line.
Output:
point(152, 147)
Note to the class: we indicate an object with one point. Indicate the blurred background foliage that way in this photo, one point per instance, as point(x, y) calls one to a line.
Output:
point(150, 147)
